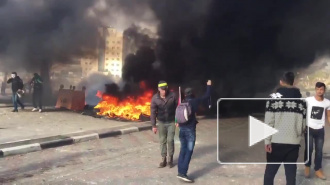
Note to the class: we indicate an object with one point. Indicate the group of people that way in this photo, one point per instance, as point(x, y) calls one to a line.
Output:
point(294, 119)
point(17, 87)
point(163, 109)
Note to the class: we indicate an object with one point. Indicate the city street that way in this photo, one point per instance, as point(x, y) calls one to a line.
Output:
point(133, 159)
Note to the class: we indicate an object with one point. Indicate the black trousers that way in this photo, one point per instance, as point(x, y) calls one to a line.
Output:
point(286, 153)
point(316, 136)
point(37, 98)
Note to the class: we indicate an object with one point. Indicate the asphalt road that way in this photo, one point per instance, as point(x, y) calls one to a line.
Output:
point(133, 159)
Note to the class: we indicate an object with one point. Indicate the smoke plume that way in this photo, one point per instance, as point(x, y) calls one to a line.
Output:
point(47, 31)
point(243, 45)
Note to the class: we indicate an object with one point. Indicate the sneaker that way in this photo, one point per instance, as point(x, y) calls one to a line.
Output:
point(15, 110)
point(40, 110)
point(34, 109)
point(23, 107)
point(184, 178)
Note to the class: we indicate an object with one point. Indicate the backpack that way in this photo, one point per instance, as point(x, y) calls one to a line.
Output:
point(183, 112)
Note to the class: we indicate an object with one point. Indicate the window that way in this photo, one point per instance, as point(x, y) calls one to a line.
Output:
point(107, 59)
point(112, 64)
point(118, 42)
point(117, 58)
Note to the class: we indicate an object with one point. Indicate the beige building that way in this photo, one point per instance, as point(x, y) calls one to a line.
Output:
point(107, 60)
point(109, 57)
point(66, 74)
point(89, 65)
point(113, 55)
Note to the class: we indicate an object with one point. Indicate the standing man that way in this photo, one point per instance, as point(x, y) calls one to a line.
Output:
point(36, 84)
point(188, 131)
point(163, 105)
point(318, 108)
point(16, 86)
point(288, 117)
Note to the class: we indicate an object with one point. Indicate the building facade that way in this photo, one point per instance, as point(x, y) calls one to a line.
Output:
point(110, 51)
point(113, 62)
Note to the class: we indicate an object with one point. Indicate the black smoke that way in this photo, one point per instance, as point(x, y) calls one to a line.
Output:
point(244, 46)
point(36, 32)
point(139, 52)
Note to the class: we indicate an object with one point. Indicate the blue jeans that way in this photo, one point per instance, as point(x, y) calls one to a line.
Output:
point(315, 136)
point(187, 138)
point(16, 101)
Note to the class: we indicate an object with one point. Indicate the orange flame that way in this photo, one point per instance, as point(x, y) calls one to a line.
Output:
point(130, 108)
point(99, 94)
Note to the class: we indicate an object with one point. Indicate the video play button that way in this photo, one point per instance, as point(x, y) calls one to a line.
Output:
point(259, 131)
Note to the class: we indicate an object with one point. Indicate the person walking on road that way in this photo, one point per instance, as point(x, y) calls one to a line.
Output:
point(163, 105)
point(188, 130)
point(318, 109)
point(17, 88)
point(289, 118)
point(37, 85)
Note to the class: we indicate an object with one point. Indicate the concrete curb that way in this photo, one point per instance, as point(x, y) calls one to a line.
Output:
point(27, 148)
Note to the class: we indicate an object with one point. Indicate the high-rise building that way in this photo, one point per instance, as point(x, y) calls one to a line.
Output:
point(89, 64)
point(110, 51)
point(107, 59)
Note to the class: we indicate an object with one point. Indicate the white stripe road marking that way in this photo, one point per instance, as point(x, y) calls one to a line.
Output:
point(129, 130)
point(21, 149)
point(78, 139)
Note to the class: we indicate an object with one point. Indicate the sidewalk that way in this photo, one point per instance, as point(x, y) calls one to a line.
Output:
point(51, 124)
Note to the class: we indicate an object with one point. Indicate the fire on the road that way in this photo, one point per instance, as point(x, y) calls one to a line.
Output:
point(130, 108)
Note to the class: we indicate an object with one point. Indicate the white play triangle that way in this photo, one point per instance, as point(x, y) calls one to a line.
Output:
point(259, 131)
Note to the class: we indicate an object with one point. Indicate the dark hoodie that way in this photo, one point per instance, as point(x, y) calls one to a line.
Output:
point(287, 116)
point(289, 92)
point(16, 83)
point(195, 102)
point(36, 82)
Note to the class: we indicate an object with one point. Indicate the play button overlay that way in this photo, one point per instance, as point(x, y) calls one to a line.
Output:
point(241, 131)
point(258, 131)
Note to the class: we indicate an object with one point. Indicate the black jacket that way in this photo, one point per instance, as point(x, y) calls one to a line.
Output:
point(16, 83)
point(36, 83)
point(163, 109)
point(289, 92)
point(195, 102)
